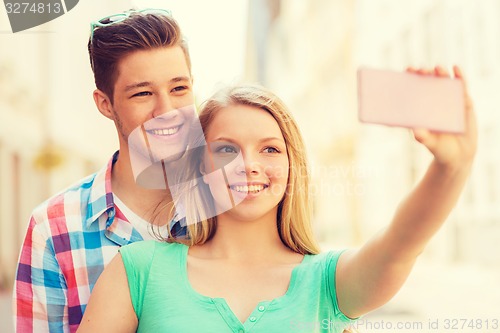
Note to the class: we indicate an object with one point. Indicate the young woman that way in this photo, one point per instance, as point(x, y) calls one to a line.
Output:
point(255, 266)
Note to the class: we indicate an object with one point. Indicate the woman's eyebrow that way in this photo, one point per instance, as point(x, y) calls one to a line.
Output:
point(271, 138)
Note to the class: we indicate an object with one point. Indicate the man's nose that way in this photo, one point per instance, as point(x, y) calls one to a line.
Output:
point(164, 104)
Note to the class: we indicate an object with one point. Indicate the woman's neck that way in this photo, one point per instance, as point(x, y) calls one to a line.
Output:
point(250, 241)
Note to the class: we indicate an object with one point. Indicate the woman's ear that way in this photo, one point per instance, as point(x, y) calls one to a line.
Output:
point(103, 103)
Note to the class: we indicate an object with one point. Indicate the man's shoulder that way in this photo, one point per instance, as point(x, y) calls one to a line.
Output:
point(76, 194)
point(75, 198)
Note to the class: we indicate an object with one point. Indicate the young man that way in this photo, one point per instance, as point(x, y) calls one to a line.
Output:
point(142, 71)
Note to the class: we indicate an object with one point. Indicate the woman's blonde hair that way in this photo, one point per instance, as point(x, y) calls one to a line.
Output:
point(294, 210)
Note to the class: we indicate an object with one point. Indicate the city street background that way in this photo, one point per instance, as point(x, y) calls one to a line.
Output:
point(308, 52)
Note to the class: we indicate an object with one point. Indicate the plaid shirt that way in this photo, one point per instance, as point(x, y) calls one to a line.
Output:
point(70, 239)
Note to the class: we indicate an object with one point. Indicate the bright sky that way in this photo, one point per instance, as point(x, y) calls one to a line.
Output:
point(216, 32)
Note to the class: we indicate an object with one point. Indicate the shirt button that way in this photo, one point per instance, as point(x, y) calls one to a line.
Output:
point(261, 308)
point(252, 319)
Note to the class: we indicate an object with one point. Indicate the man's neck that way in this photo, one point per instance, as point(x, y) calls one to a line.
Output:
point(140, 200)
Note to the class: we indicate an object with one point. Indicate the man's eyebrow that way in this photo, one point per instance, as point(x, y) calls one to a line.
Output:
point(148, 83)
point(180, 78)
point(137, 85)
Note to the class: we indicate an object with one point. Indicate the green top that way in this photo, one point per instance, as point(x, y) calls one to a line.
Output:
point(164, 300)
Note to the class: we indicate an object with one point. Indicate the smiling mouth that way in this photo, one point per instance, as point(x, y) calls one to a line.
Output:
point(164, 131)
point(249, 188)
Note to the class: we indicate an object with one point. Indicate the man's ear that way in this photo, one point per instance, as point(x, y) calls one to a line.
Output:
point(201, 167)
point(103, 103)
point(203, 172)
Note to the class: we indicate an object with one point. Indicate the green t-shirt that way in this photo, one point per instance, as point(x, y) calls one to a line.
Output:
point(164, 300)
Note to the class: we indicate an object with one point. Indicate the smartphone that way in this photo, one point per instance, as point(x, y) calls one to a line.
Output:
point(410, 100)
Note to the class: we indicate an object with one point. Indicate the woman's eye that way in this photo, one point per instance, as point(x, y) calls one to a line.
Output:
point(271, 150)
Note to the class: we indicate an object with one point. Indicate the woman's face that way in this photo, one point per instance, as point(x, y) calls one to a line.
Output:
point(246, 164)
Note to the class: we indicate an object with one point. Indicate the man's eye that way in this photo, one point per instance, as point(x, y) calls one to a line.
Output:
point(142, 93)
point(179, 88)
point(226, 150)
point(270, 150)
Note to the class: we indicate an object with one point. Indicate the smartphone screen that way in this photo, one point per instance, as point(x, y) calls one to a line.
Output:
point(411, 100)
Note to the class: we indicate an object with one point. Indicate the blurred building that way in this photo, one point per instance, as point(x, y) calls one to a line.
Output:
point(51, 133)
point(304, 52)
point(308, 52)
point(396, 34)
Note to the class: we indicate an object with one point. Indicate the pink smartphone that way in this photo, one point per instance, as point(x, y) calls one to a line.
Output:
point(410, 100)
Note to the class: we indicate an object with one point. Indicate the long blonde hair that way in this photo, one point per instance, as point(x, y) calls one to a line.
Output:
point(294, 210)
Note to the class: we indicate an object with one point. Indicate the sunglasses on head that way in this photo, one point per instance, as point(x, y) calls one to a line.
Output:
point(120, 17)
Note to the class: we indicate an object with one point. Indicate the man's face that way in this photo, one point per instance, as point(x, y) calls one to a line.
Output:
point(151, 90)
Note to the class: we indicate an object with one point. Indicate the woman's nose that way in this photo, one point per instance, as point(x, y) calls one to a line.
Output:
point(248, 165)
